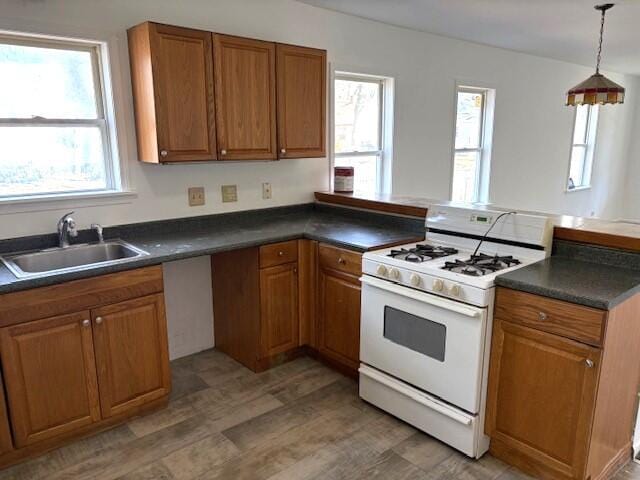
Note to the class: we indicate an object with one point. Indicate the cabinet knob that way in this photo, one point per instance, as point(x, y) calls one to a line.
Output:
point(86, 323)
point(542, 316)
point(98, 320)
point(163, 153)
point(589, 363)
point(280, 254)
point(283, 150)
point(223, 152)
point(342, 261)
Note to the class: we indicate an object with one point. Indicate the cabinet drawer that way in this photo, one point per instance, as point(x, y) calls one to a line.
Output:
point(278, 253)
point(340, 259)
point(580, 323)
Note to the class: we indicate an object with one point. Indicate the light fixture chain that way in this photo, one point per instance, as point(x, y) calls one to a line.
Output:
point(604, 11)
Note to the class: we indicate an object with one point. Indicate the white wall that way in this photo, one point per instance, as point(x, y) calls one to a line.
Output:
point(189, 305)
point(631, 206)
point(532, 128)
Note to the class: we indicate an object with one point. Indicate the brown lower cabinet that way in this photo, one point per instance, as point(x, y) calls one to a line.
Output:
point(338, 306)
point(99, 356)
point(563, 386)
point(274, 302)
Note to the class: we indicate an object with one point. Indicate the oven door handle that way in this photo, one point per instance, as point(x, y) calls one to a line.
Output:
point(421, 399)
point(421, 297)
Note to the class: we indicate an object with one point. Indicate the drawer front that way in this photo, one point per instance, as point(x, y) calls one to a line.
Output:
point(577, 322)
point(278, 253)
point(340, 259)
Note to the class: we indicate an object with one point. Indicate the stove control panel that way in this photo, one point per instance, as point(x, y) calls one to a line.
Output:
point(428, 283)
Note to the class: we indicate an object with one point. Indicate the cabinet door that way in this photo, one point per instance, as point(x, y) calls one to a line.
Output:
point(184, 101)
point(541, 397)
point(245, 92)
point(279, 308)
point(301, 74)
point(339, 317)
point(131, 353)
point(50, 376)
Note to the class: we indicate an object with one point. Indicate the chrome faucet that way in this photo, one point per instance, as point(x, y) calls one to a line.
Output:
point(98, 228)
point(66, 229)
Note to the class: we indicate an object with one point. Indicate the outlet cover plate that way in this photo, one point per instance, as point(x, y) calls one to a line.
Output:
point(266, 191)
point(229, 193)
point(196, 196)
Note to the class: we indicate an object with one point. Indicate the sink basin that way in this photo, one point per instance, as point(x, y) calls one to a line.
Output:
point(75, 257)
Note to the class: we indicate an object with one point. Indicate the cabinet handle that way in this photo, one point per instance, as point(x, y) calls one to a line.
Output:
point(342, 261)
point(223, 152)
point(542, 316)
point(98, 320)
point(295, 269)
point(283, 150)
point(589, 363)
point(280, 254)
point(86, 323)
point(163, 153)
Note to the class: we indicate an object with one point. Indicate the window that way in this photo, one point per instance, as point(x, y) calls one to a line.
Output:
point(582, 147)
point(53, 129)
point(359, 129)
point(473, 132)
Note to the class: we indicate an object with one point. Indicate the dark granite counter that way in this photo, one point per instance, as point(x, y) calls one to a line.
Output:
point(597, 277)
point(190, 237)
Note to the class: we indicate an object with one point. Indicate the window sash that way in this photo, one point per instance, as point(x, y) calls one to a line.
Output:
point(483, 93)
point(100, 98)
point(587, 148)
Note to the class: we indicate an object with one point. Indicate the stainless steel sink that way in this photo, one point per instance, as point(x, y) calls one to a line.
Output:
point(75, 257)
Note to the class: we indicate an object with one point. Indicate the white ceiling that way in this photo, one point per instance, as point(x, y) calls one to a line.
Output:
point(561, 29)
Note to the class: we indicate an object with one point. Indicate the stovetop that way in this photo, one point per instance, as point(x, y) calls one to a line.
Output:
point(422, 252)
point(481, 264)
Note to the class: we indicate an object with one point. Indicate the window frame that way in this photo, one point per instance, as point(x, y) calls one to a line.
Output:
point(104, 121)
point(380, 154)
point(482, 177)
point(590, 138)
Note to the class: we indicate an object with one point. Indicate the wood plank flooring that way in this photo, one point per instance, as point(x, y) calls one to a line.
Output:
point(300, 420)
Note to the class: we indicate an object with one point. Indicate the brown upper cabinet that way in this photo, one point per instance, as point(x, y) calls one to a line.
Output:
point(301, 101)
point(245, 79)
point(172, 81)
point(200, 96)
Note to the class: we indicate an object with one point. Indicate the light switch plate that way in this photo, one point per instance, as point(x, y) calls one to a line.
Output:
point(196, 196)
point(229, 193)
point(266, 191)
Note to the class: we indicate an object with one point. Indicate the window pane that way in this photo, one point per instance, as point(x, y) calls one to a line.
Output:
point(465, 174)
point(50, 159)
point(582, 119)
point(46, 82)
point(576, 168)
point(365, 171)
point(469, 120)
point(357, 116)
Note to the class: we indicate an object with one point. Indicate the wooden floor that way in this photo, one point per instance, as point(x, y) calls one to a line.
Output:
point(297, 421)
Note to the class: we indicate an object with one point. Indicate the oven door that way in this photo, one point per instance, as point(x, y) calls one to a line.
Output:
point(430, 342)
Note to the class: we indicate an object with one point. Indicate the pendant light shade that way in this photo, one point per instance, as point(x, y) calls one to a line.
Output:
point(597, 89)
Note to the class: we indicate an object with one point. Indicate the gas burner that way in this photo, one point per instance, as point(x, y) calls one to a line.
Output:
point(422, 253)
point(482, 264)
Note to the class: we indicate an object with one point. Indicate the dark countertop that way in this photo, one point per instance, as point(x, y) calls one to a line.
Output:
point(596, 277)
point(183, 238)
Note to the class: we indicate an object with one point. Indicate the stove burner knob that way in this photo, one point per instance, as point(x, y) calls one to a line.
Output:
point(394, 273)
point(381, 270)
point(438, 285)
point(415, 279)
point(455, 290)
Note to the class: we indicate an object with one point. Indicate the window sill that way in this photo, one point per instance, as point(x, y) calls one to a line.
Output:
point(64, 200)
point(578, 189)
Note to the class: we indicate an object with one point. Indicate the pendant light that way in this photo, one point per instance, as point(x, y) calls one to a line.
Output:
point(597, 89)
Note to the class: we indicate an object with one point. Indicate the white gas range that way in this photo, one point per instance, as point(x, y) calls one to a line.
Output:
point(426, 318)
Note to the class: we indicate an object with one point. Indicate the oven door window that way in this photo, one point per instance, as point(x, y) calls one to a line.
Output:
point(416, 333)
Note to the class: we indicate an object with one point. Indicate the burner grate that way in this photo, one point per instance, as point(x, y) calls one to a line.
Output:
point(422, 253)
point(481, 264)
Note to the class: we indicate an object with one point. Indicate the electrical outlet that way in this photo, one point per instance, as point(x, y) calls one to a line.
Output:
point(266, 191)
point(229, 193)
point(196, 196)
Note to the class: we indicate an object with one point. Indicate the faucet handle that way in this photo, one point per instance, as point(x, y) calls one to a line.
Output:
point(72, 230)
point(98, 228)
